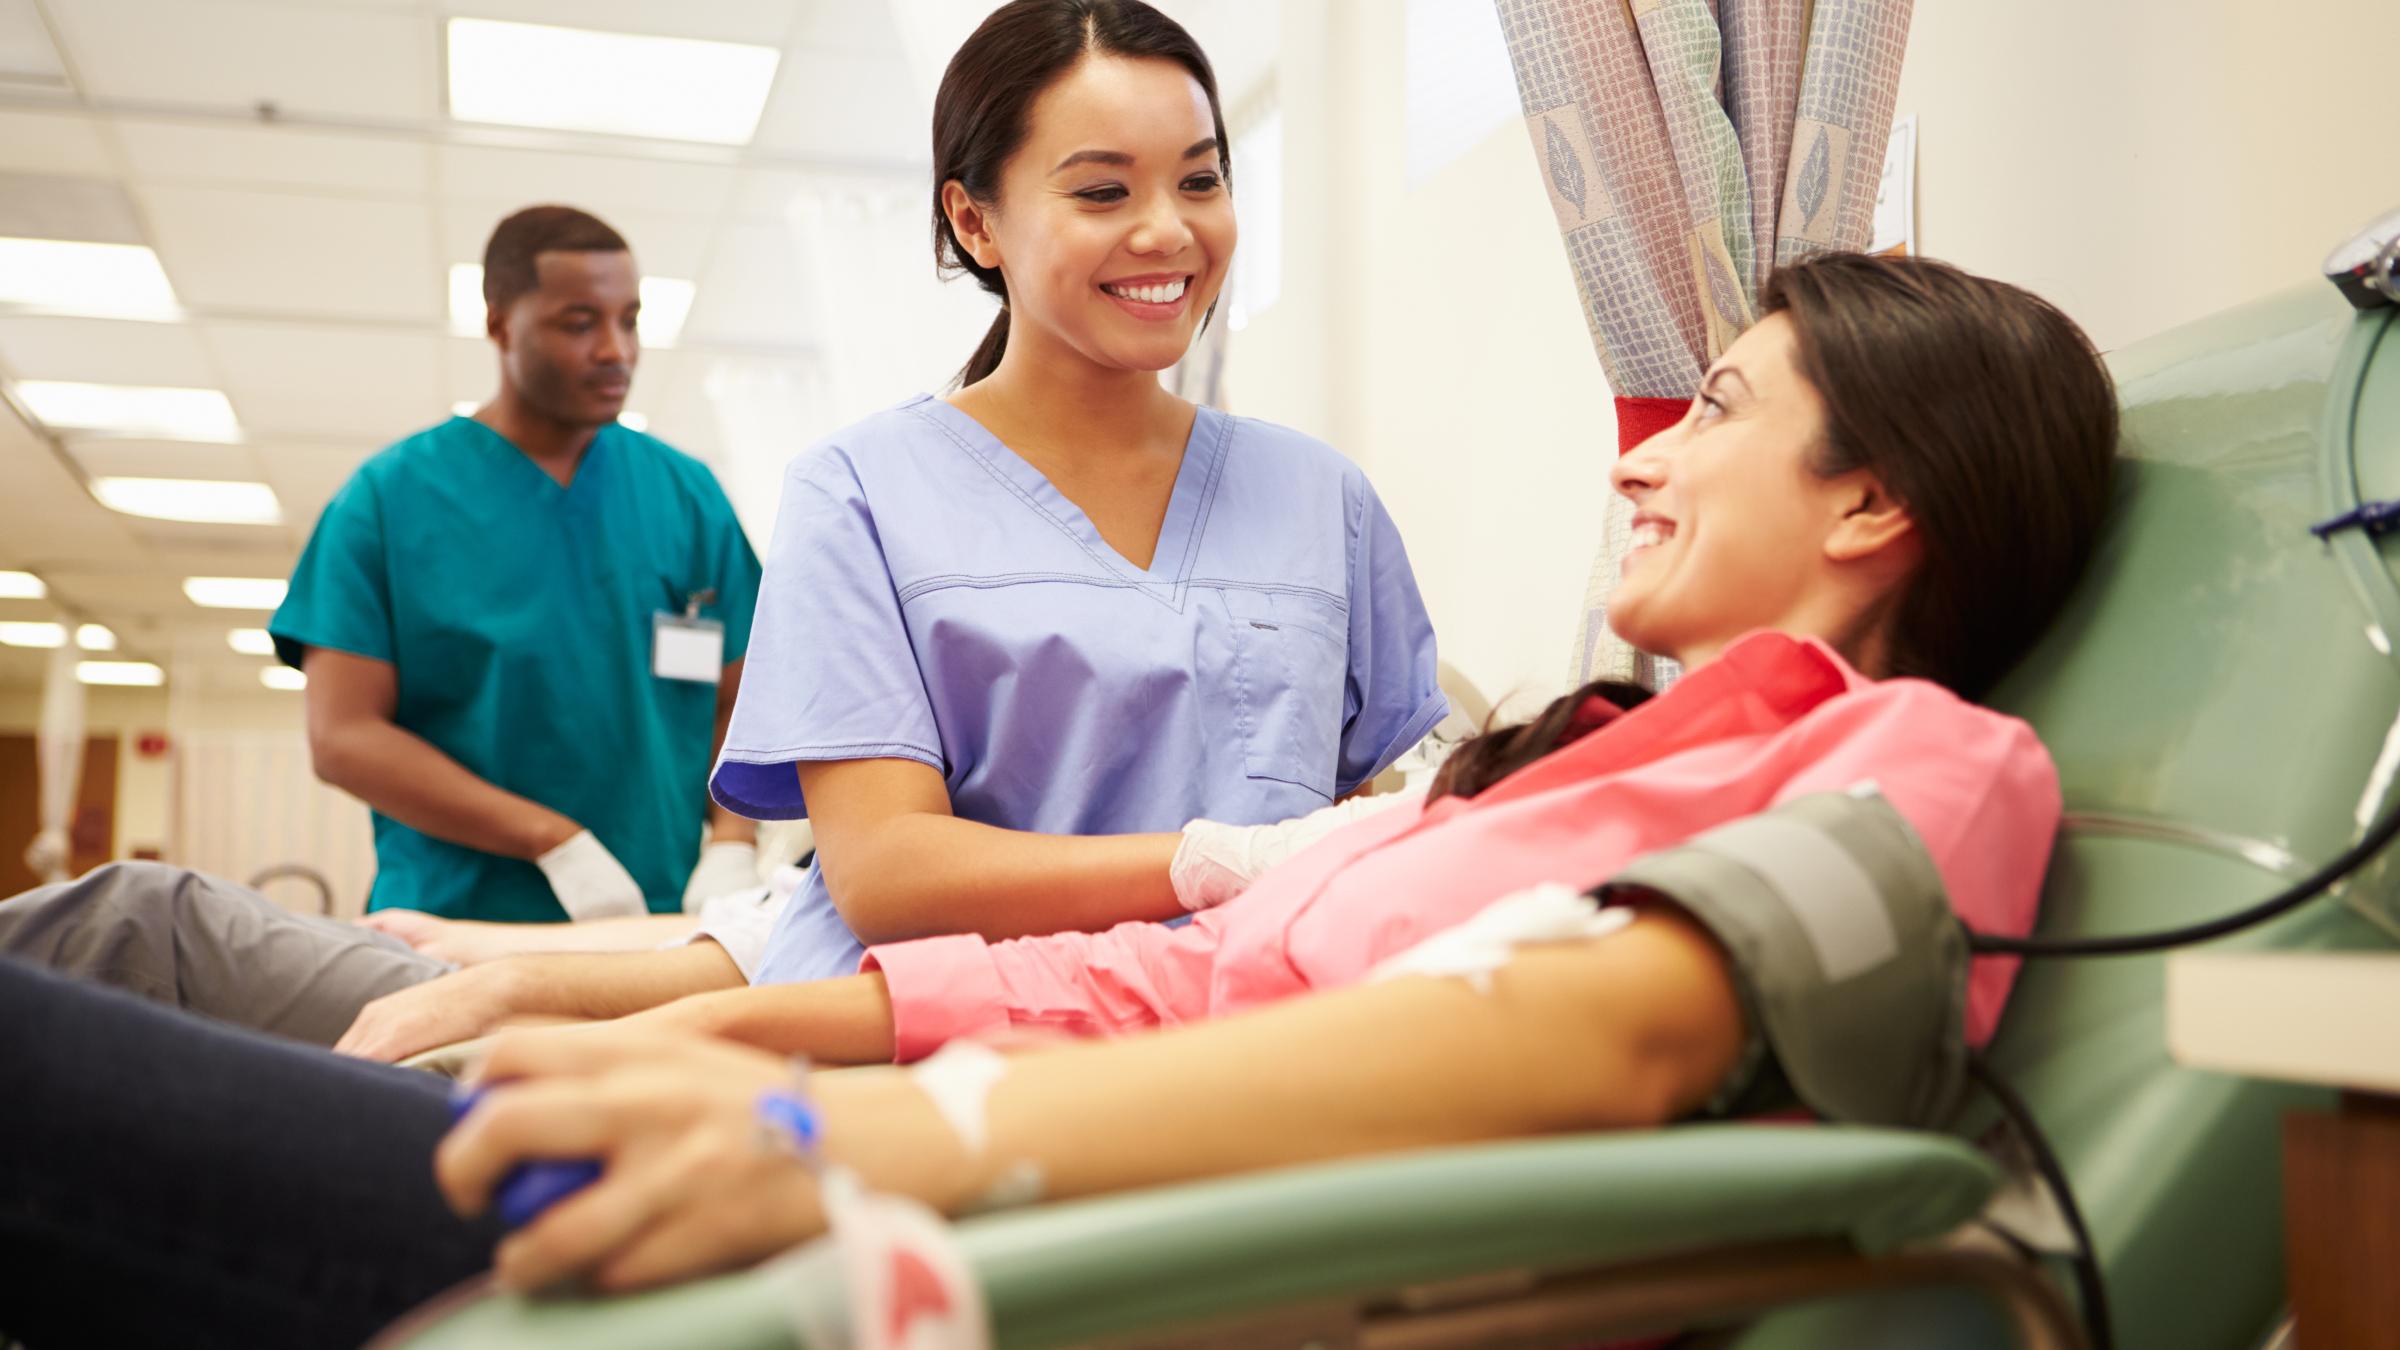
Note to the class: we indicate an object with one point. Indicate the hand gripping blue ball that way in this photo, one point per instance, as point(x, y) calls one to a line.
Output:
point(530, 1187)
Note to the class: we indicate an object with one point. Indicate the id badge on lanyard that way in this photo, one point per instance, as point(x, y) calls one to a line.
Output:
point(685, 646)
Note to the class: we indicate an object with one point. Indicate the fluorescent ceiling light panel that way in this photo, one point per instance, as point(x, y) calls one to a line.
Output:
point(465, 408)
point(234, 592)
point(131, 410)
point(283, 677)
point(21, 586)
point(666, 303)
point(93, 637)
point(33, 635)
point(137, 673)
point(251, 641)
point(633, 421)
point(202, 501)
point(101, 281)
point(620, 84)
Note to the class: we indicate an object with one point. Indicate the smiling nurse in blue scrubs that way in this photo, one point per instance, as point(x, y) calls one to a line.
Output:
point(1061, 602)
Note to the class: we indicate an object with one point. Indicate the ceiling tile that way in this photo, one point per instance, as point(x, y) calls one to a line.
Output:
point(321, 380)
point(847, 108)
point(46, 517)
point(348, 62)
point(761, 22)
point(753, 291)
point(305, 477)
point(275, 157)
point(249, 252)
point(505, 179)
point(666, 246)
point(117, 591)
point(164, 459)
point(104, 351)
point(63, 143)
point(253, 546)
point(845, 25)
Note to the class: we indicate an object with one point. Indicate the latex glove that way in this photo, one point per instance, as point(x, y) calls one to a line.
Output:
point(46, 856)
point(725, 866)
point(589, 880)
point(1216, 862)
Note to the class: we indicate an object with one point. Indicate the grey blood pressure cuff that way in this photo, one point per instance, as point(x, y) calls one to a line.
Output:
point(1850, 964)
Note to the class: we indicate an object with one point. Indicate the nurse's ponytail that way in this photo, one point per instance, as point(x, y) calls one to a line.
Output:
point(979, 112)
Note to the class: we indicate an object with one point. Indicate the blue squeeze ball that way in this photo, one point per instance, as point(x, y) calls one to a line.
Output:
point(529, 1188)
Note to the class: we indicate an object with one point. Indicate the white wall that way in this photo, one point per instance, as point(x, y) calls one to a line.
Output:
point(2142, 162)
point(2147, 162)
point(1433, 335)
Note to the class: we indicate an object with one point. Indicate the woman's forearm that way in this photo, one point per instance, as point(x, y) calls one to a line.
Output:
point(1630, 1030)
point(839, 1021)
point(926, 874)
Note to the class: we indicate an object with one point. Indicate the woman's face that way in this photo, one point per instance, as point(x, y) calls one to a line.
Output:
point(1114, 225)
point(1733, 531)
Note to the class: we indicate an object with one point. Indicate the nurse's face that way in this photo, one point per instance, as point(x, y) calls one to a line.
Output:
point(1114, 226)
point(1734, 530)
point(569, 346)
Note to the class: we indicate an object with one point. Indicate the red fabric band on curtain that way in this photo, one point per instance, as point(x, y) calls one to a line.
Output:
point(1639, 419)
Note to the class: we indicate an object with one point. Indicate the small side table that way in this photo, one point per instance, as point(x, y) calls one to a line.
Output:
point(2331, 1019)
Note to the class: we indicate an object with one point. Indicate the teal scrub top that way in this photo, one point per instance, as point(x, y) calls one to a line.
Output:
point(517, 615)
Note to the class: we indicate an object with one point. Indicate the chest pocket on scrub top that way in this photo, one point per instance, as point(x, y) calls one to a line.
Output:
point(1290, 662)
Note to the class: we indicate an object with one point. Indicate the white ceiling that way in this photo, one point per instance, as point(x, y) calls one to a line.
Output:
point(310, 246)
point(292, 163)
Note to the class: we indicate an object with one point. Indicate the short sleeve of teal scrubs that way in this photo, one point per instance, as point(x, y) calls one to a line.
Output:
point(517, 616)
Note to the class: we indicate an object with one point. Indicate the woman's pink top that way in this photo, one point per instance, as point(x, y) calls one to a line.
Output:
point(1775, 717)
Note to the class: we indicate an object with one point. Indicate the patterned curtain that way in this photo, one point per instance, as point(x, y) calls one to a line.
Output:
point(1689, 146)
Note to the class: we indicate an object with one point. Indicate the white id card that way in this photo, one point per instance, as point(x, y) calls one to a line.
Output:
point(685, 648)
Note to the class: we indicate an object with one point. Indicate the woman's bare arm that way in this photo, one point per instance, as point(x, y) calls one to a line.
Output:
point(1630, 1030)
point(899, 865)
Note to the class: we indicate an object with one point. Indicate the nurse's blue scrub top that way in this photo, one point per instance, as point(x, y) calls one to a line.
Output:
point(517, 617)
point(930, 596)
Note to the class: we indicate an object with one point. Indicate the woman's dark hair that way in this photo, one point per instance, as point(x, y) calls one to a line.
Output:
point(1984, 411)
point(979, 113)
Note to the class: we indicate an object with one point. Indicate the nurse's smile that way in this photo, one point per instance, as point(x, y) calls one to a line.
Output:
point(1158, 296)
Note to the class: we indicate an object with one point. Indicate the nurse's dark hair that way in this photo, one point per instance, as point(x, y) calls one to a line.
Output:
point(980, 111)
point(509, 257)
point(1984, 411)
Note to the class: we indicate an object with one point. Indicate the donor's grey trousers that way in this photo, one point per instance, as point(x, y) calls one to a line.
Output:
point(195, 942)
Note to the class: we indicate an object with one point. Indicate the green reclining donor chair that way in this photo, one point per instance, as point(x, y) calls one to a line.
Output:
point(2217, 698)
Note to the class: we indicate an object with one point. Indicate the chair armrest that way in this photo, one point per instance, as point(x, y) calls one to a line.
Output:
point(1121, 1263)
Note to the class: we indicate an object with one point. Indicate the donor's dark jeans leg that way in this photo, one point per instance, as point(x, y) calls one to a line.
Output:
point(165, 1180)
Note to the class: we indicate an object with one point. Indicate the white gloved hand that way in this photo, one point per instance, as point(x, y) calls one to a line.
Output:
point(46, 857)
point(1216, 862)
point(589, 880)
point(725, 866)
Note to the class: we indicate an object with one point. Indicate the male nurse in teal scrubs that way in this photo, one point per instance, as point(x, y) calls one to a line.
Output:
point(523, 630)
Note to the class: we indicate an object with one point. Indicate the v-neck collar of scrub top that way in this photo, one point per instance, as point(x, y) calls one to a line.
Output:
point(581, 486)
point(1187, 506)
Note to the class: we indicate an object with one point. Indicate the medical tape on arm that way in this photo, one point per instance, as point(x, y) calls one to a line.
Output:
point(958, 1079)
point(1550, 912)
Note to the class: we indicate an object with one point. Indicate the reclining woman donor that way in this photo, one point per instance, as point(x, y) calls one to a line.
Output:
point(1009, 642)
point(1879, 500)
